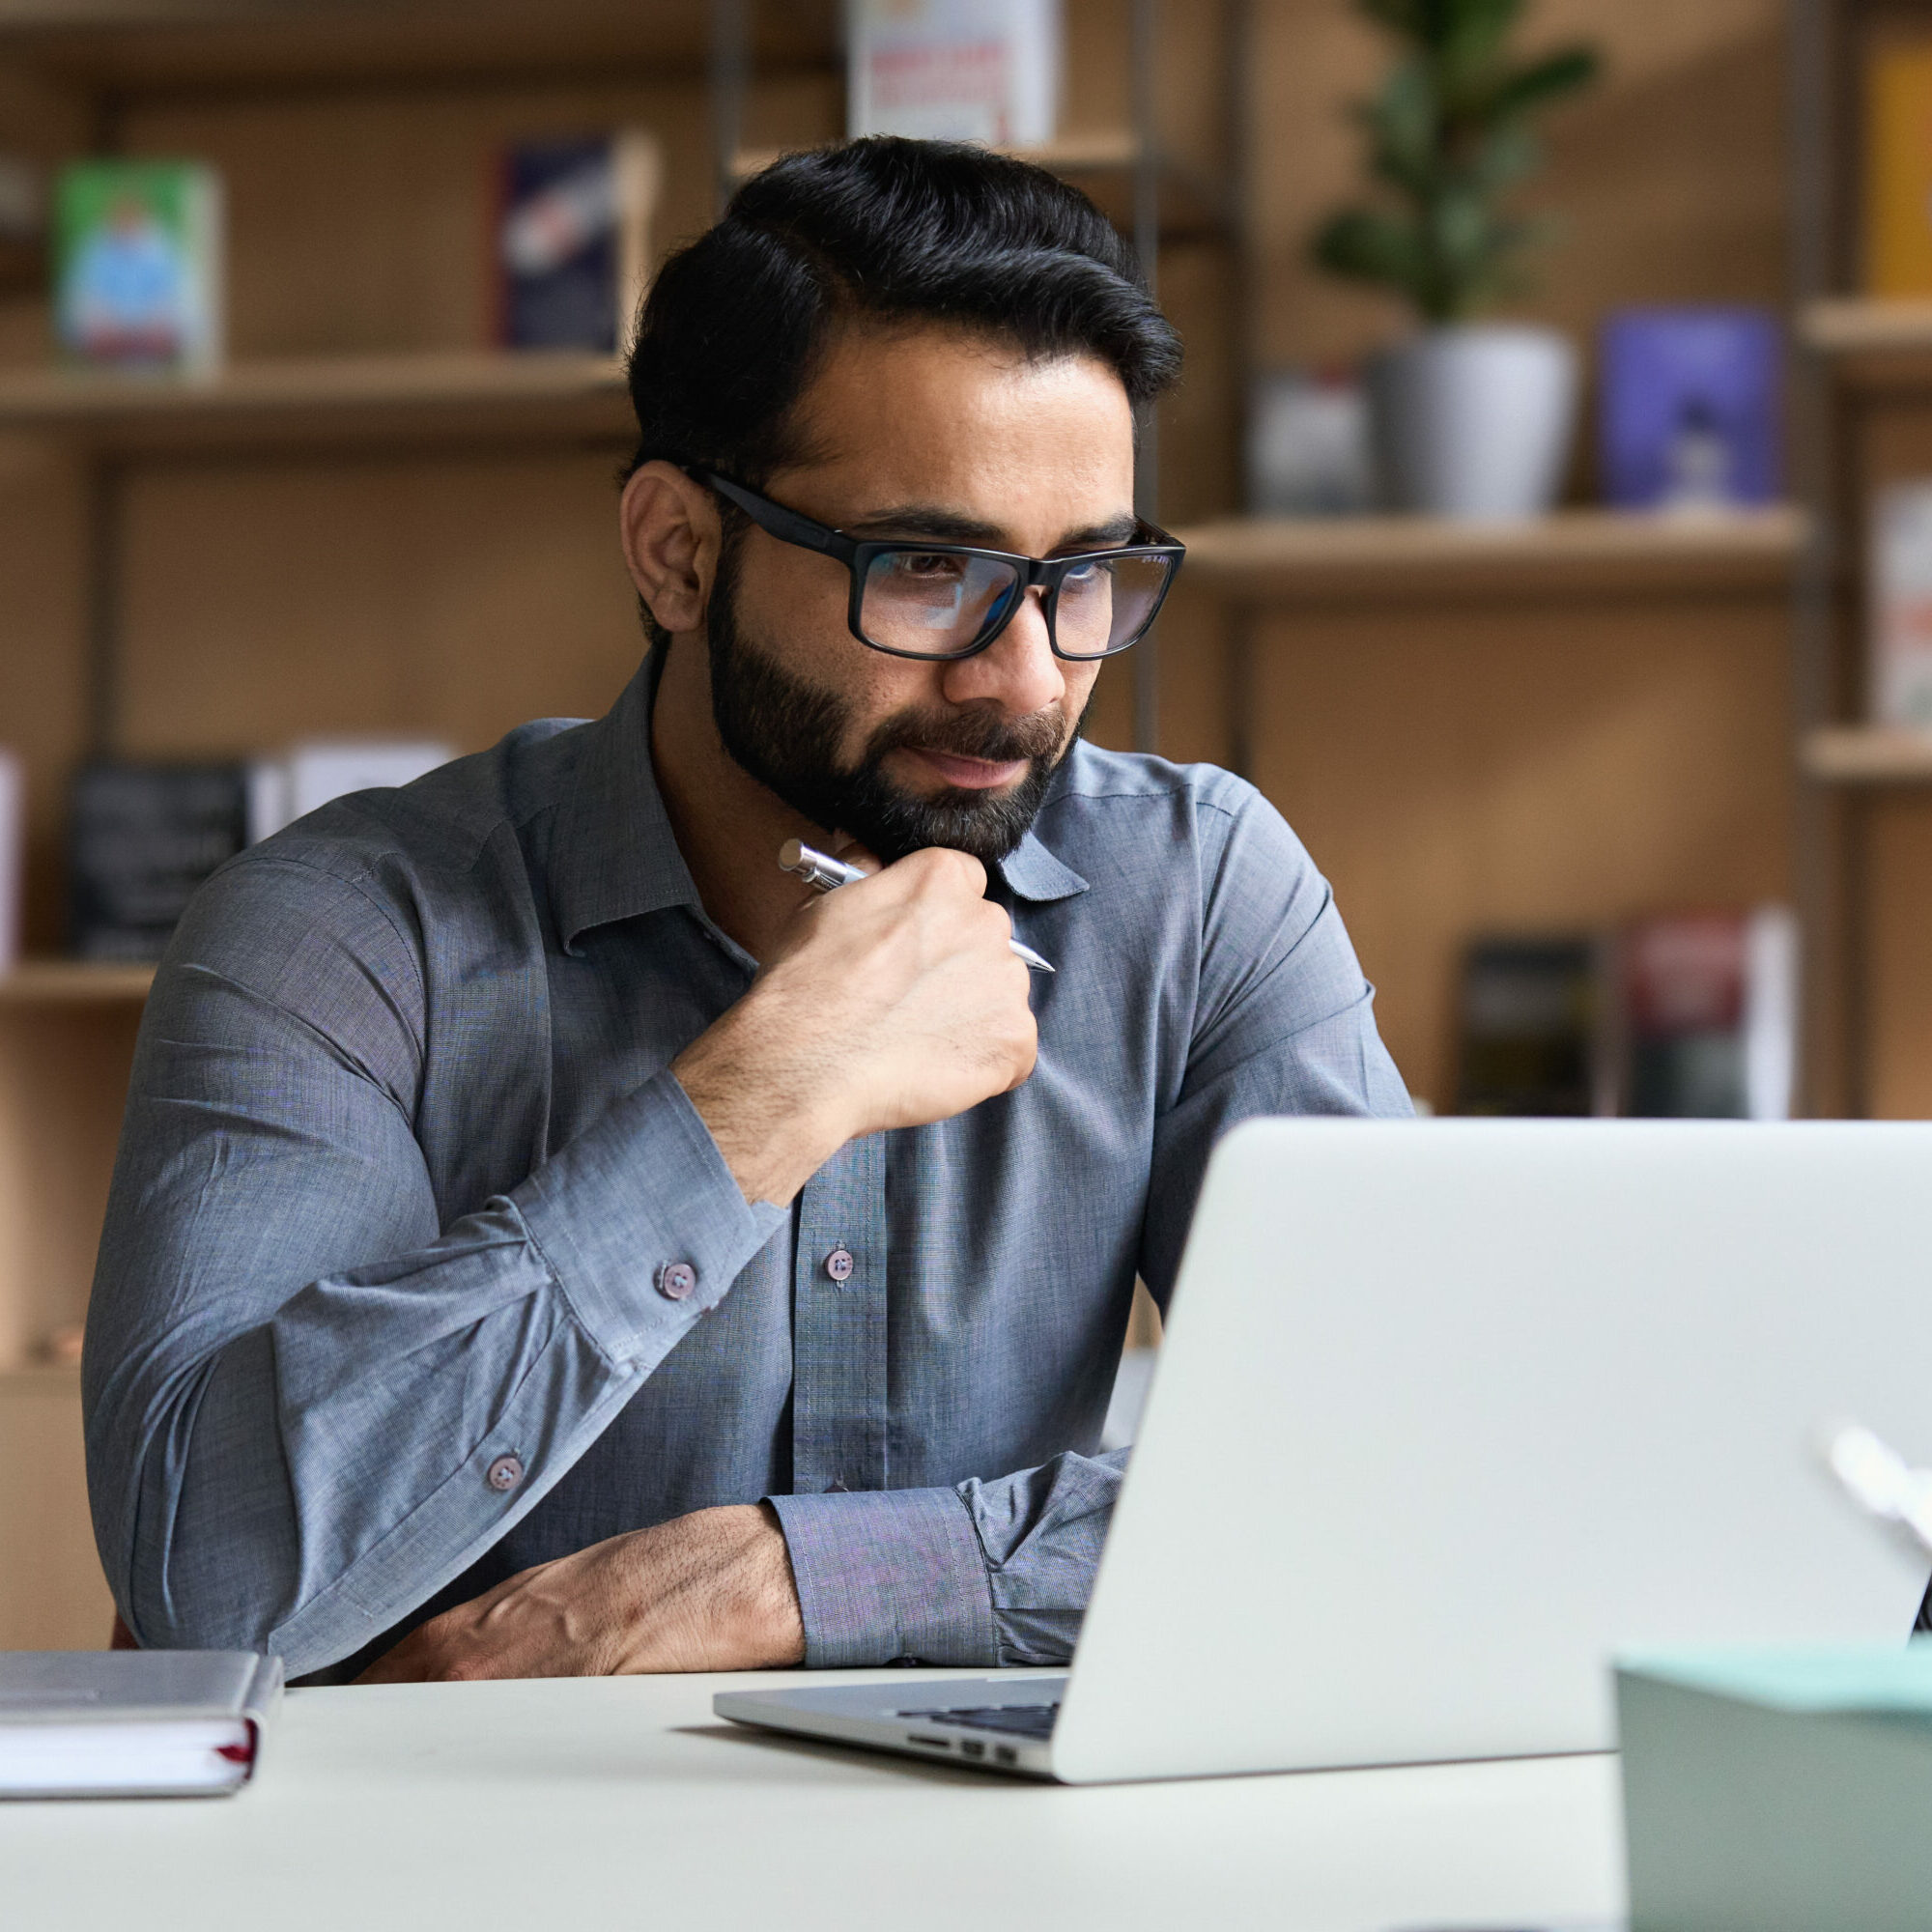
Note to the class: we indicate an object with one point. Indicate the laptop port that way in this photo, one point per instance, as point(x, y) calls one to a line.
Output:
point(971, 1747)
point(932, 1743)
point(1005, 1754)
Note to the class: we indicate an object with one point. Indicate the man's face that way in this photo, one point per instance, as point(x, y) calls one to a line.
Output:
point(931, 432)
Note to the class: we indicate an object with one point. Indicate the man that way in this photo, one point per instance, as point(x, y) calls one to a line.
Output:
point(547, 1238)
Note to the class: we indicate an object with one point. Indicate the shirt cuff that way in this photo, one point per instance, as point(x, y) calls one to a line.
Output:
point(888, 1577)
point(643, 1190)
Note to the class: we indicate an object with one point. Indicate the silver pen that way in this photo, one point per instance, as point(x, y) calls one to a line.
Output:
point(824, 873)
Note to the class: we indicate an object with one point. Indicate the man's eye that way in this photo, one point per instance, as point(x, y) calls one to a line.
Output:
point(931, 566)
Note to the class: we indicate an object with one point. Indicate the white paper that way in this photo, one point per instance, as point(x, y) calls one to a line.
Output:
point(307, 777)
point(954, 69)
point(1901, 606)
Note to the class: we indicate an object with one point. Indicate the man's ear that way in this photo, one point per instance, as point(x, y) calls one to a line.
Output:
point(671, 537)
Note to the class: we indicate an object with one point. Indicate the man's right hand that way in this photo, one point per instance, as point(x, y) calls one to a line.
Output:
point(889, 1004)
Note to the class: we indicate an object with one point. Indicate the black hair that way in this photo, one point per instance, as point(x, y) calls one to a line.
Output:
point(886, 229)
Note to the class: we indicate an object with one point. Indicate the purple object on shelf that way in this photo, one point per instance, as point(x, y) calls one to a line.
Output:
point(1689, 408)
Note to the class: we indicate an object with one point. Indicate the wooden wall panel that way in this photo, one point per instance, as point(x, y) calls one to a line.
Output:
point(1518, 766)
point(52, 1594)
point(63, 1084)
point(42, 654)
point(1897, 900)
point(268, 602)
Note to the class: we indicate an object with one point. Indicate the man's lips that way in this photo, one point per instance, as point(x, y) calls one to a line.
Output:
point(971, 774)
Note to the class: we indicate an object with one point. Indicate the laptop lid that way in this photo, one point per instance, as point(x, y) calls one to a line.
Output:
point(1448, 1411)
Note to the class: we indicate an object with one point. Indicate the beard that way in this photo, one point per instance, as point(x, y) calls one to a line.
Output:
point(786, 735)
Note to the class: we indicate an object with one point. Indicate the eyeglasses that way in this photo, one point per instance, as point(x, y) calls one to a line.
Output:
point(942, 600)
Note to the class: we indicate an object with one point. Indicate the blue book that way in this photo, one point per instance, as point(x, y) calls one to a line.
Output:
point(1689, 408)
point(572, 240)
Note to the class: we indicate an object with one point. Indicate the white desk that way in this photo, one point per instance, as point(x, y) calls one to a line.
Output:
point(595, 1805)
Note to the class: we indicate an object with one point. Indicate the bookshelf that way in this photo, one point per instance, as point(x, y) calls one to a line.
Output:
point(1867, 754)
point(1866, 410)
point(1412, 556)
point(421, 397)
point(371, 523)
point(74, 983)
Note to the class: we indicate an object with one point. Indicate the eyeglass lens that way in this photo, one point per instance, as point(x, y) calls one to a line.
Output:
point(934, 604)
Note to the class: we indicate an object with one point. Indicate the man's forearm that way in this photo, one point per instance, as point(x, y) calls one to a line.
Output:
point(305, 1483)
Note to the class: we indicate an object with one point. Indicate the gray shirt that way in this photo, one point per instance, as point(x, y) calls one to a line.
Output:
point(419, 1267)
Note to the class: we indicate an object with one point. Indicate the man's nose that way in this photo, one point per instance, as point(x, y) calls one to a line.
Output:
point(1017, 670)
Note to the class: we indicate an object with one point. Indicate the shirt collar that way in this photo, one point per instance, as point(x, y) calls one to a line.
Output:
point(1031, 873)
point(616, 855)
point(617, 858)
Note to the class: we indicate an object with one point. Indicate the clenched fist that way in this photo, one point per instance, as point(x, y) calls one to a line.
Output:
point(888, 1003)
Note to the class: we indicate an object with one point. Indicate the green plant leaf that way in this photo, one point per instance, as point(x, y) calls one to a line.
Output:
point(1515, 94)
point(1446, 137)
point(1369, 246)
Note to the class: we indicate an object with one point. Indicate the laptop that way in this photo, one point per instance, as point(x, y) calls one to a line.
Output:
point(1447, 1411)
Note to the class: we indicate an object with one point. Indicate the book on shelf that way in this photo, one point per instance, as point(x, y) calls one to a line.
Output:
point(574, 227)
point(13, 855)
point(1899, 606)
point(143, 838)
point(1709, 1014)
point(138, 264)
point(954, 69)
point(1897, 207)
point(1308, 451)
point(311, 774)
point(1533, 1026)
point(1687, 408)
point(146, 836)
point(1679, 1014)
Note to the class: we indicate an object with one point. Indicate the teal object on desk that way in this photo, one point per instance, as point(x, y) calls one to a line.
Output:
point(1779, 1790)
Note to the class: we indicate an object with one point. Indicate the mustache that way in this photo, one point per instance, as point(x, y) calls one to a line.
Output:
point(972, 734)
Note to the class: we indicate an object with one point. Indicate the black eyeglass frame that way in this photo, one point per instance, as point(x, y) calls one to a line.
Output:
point(857, 554)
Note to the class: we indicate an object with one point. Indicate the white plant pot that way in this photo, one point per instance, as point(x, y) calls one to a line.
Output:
point(1473, 421)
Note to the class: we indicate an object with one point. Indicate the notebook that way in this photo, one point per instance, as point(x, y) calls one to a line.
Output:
point(133, 1723)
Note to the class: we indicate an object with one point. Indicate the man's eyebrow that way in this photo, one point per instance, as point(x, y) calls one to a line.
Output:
point(943, 525)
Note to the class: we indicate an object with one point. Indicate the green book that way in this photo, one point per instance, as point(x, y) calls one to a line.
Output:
point(137, 266)
point(1779, 1790)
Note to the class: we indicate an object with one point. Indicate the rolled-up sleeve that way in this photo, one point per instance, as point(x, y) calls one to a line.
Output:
point(310, 1402)
point(990, 1573)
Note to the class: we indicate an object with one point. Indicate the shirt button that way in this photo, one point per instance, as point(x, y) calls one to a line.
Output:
point(839, 1263)
point(504, 1473)
point(676, 1280)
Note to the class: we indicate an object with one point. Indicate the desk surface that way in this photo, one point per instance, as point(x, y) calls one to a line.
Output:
point(614, 1804)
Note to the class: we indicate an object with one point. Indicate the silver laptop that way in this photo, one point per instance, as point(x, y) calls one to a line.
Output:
point(1446, 1412)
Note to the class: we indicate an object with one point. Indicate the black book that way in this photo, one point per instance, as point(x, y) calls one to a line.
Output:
point(1532, 1032)
point(144, 838)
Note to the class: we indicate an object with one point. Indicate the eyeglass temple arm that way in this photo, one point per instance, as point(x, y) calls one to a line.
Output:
point(785, 525)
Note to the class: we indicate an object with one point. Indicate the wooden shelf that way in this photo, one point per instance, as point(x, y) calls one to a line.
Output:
point(1572, 551)
point(1867, 754)
point(1853, 325)
point(1869, 343)
point(466, 397)
point(74, 983)
point(226, 47)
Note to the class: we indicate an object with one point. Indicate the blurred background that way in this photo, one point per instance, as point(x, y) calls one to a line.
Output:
point(1555, 456)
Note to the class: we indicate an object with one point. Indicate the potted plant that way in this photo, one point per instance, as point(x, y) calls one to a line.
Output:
point(1470, 418)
